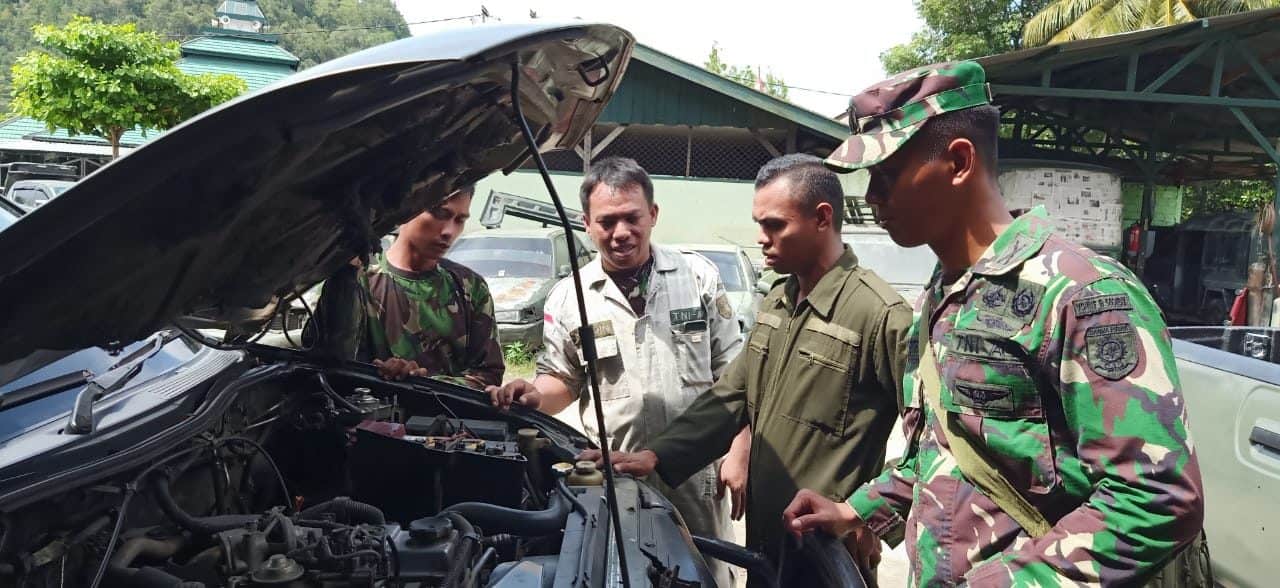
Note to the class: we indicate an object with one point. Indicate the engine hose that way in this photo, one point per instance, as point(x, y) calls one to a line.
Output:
point(151, 548)
point(468, 542)
point(198, 525)
point(500, 519)
point(346, 511)
point(148, 578)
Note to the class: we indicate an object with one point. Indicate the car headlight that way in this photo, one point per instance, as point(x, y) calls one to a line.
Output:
point(507, 316)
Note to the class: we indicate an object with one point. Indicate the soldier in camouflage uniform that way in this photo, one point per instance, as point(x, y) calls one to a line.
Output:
point(414, 312)
point(1053, 363)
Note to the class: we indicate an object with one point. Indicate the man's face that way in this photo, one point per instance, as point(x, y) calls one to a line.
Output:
point(790, 234)
point(434, 231)
point(620, 222)
point(912, 196)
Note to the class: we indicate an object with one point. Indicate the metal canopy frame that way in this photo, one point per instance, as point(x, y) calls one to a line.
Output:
point(1197, 101)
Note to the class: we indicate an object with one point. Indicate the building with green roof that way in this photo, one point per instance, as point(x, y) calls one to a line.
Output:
point(234, 43)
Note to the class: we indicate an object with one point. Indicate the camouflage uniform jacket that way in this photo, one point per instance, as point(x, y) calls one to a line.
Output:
point(1058, 364)
point(441, 318)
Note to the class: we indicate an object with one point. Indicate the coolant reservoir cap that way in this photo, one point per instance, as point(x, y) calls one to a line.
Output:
point(584, 467)
point(278, 569)
point(562, 468)
point(430, 528)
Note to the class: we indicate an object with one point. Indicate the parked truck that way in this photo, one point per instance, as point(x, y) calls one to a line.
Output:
point(1231, 382)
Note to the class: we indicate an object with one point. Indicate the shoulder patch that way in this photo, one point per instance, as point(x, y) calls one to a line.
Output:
point(723, 307)
point(1092, 305)
point(1112, 350)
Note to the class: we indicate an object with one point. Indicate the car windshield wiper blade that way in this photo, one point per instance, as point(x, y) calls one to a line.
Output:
point(112, 380)
point(44, 389)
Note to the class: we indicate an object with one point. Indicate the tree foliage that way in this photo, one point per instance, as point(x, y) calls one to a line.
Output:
point(1068, 20)
point(315, 31)
point(745, 75)
point(1223, 195)
point(99, 79)
point(962, 30)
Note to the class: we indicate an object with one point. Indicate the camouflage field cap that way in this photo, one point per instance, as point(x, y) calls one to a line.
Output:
point(883, 117)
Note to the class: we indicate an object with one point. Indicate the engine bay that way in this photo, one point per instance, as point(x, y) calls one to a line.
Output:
point(334, 478)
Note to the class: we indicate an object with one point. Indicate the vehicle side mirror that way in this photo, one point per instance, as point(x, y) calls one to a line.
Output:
point(762, 288)
point(565, 270)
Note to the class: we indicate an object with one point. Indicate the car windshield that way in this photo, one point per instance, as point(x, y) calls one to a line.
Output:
point(58, 189)
point(505, 257)
point(730, 269)
point(6, 218)
point(896, 265)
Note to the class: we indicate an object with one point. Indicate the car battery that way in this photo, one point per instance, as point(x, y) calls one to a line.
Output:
point(415, 476)
point(440, 426)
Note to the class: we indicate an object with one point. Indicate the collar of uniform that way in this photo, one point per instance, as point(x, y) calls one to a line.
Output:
point(823, 297)
point(1022, 239)
point(664, 260)
point(593, 273)
point(381, 264)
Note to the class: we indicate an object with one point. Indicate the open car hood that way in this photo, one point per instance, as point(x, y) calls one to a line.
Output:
point(248, 203)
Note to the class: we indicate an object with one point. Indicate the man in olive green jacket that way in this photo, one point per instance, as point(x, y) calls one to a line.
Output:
point(819, 379)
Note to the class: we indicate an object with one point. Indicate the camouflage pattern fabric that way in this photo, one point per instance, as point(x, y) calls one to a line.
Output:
point(883, 117)
point(1058, 364)
point(634, 285)
point(442, 318)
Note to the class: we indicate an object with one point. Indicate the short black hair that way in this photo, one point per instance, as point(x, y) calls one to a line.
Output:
point(617, 173)
point(980, 125)
point(468, 189)
point(812, 182)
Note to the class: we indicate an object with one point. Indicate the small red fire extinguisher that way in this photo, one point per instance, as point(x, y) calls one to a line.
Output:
point(1133, 240)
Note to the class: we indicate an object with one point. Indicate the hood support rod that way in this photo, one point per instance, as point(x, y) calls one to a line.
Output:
point(585, 334)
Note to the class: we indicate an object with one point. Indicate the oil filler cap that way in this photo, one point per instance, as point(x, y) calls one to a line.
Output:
point(430, 528)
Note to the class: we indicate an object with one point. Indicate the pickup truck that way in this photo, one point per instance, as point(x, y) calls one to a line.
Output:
point(1231, 382)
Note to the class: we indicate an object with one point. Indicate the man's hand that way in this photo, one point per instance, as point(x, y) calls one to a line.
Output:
point(733, 476)
point(395, 368)
point(810, 511)
point(639, 464)
point(521, 391)
point(864, 547)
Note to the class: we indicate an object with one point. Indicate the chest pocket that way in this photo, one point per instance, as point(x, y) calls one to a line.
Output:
point(692, 341)
point(826, 360)
point(990, 384)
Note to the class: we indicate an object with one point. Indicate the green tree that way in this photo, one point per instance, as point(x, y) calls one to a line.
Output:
point(745, 75)
point(99, 79)
point(1222, 195)
point(1068, 20)
point(962, 30)
point(315, 31)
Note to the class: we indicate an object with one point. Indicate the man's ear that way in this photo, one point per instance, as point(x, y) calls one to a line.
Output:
point(653, 211)
point(825, 214)
point(962, 155)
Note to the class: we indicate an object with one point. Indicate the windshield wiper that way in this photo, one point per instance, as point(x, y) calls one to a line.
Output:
point(112, 380)
point(44, 389)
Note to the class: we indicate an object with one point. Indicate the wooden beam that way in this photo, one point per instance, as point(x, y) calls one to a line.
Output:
point(586, 153)
point(791, 139)
point(773, 151)
point(599, 147)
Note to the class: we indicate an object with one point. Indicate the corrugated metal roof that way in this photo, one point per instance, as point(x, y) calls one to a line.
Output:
point(255, 75)
point(1086, 84)
point(21, 128)
point(648, 96)
point(239, 48)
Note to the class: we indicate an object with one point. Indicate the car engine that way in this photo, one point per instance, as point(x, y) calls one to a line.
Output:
point(336, 479)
